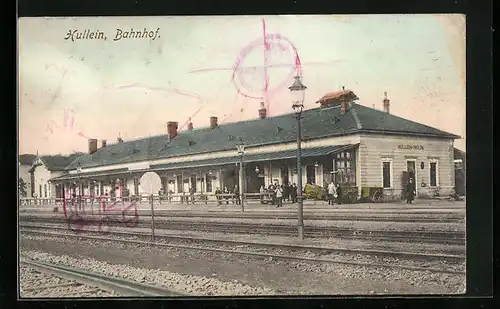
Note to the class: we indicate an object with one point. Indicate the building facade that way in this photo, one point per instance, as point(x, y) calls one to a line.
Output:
point(45, 168)
point(344, 142)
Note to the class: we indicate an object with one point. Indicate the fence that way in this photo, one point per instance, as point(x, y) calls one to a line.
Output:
point(203, 198)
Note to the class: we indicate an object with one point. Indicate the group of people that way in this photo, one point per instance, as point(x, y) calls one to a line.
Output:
point(234, 194)
point(278, 193)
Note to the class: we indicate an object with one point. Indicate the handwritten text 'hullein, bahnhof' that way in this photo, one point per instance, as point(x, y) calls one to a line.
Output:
point(120, 34)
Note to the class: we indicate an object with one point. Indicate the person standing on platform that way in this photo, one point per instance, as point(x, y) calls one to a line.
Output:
point(338, 192)
point(226, 193)
point(293, 193)
point(262, 191)
point(410, 191)
point(271, 190)
point(331, 192)
point(236, 193)
point(191, 192)
point(219, 198)
point(279, 196)
point(286, 192)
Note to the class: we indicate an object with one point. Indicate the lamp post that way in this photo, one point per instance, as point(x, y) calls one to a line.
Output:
point(297, 90)
point(241, 152)
point(78, 171)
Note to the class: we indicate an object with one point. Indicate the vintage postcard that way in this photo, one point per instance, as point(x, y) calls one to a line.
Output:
point(241, 155)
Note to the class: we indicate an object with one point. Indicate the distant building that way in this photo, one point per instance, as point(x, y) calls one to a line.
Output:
point(46, 167)
point(460, 171)
point(25, 164)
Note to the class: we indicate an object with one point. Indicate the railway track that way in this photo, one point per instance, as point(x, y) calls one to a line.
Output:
point(373, 217)
point(262, 250)
point(433, 237)
point(76, 277)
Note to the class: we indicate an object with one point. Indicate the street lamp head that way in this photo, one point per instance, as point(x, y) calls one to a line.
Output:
point(316, 164)
point(241, 147)
point(257, 170)
point(210, 172)
point(297, 91)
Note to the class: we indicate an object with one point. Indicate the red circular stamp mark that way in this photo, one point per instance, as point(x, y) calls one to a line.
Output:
point(252, 79)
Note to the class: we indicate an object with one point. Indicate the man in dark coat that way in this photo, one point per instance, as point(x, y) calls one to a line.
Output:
point(271, 189)
point(236, 193)
point(293, 193)
point(410, 191)
point(286, 192)
point(339, 192)
point(219, 199)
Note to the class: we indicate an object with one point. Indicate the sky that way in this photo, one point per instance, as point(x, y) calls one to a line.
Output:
point(195, 67)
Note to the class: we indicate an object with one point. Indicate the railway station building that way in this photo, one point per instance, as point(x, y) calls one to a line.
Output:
point(342, 141)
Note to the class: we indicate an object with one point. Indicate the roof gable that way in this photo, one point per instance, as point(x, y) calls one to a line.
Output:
point(27, 159)
point(59, 162)
point(379, 121)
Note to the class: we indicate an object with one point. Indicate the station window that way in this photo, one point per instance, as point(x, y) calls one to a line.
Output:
point(386, 174)
point(45, 190)
point(345, 166)
point(433, 174)
point(179, 184)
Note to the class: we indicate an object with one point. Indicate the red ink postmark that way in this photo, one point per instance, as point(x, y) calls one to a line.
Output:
point(251, 72)
point(96, 213)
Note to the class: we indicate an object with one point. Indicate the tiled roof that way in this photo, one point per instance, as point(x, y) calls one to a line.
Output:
point(316, 123)
point(27, 159)
point(458, 154)
point(59, 162)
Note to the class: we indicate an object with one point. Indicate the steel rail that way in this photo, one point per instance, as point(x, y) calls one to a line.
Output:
point(121, 286)
point(449, 257)
point(440, 237)
point(341, 216)
point(276, 256)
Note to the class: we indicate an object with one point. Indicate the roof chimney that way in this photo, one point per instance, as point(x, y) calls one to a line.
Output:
point(190, 125)
point(343, 103)
point(103, 143)
point(213, 122)
point(119, 139)
point(92, 145)
point(262, 111)
point(343, 106)
point(387, 103)
point(172, 129)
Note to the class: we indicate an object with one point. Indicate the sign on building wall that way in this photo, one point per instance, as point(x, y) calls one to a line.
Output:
point(411, 147)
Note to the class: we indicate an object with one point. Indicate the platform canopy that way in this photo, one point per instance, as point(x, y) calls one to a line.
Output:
point(256, 157)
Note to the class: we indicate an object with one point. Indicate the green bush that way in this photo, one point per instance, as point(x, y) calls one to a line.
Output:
point(314, 192)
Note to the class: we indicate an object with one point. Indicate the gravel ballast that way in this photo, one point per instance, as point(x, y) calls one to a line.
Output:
point(35, 284)
point(282, 277)
point(190, 284)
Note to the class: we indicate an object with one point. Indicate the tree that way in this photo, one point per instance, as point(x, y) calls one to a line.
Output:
point(22, 187)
